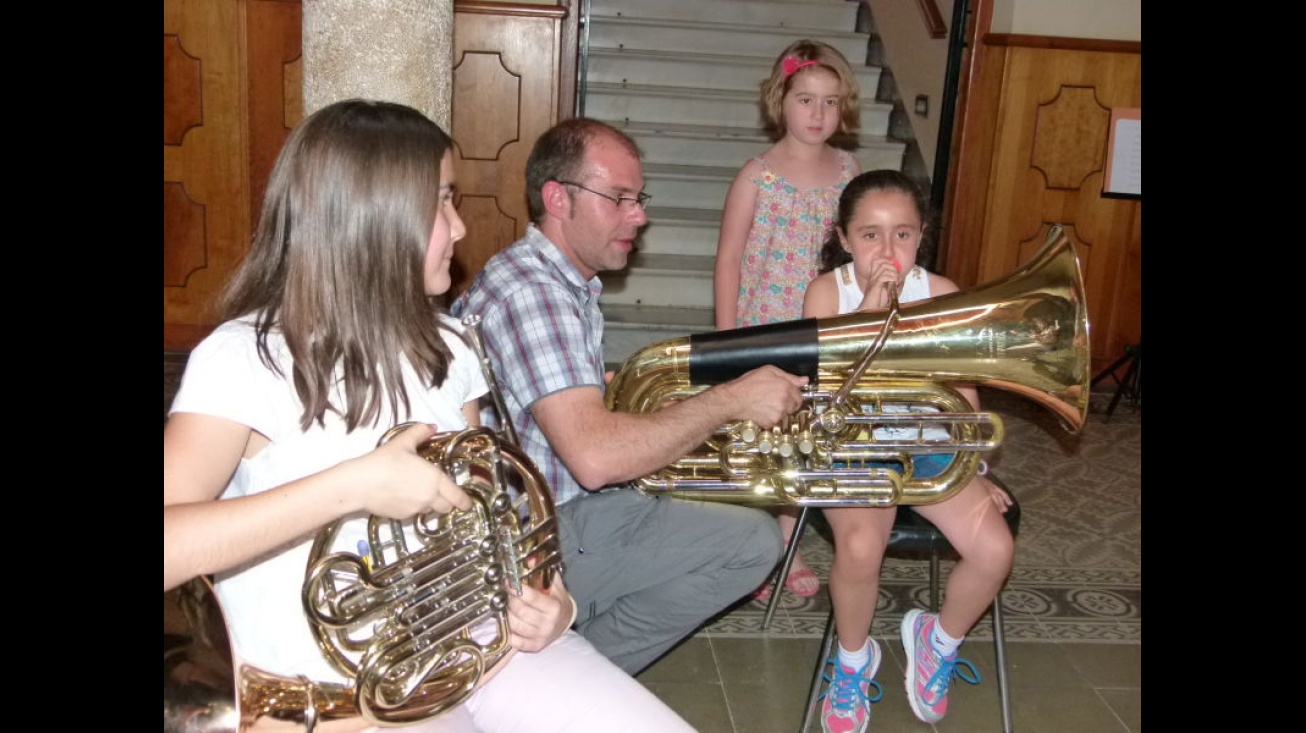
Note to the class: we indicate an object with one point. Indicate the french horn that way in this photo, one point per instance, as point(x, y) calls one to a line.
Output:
point(1027, 333)
point(413, 619)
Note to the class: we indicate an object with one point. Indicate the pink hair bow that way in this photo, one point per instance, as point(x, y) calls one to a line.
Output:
point(792, 65)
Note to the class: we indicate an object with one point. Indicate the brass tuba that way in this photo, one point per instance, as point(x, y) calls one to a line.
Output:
point(415, 617)
point(1026, 333)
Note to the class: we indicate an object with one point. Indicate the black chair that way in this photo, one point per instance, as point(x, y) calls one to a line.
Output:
point(912, 536)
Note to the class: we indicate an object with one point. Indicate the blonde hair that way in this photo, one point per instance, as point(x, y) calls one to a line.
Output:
point(777, 85)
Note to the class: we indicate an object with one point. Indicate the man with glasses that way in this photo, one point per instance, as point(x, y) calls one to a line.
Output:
point(645, 570)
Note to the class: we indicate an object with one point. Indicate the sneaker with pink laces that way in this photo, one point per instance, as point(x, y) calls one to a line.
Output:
point(929, 673)
point(847, 701)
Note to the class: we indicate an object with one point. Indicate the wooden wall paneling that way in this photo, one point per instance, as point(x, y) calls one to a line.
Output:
point(1047, 139)
point(232, 89)
point(967, 200)
point(205, 215)
point(1122, 287)
point(276, 86)
point(1047, 168)
point(507, 83)
point(569, 59)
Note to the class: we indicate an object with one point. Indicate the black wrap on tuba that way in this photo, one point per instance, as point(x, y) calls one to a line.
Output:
point(721, 356)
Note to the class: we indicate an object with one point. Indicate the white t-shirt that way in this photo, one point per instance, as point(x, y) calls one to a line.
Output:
point(224, 377)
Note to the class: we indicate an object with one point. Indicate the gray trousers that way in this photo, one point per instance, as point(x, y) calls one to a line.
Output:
point(646, 570)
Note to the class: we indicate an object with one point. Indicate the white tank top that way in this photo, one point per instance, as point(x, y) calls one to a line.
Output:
point(916, 287)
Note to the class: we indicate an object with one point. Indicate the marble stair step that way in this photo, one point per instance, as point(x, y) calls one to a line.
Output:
point(725, 37)
point(817, 13)
point(700, 106)
point(680, 69)
point(688, 186)
point(717, 145)
point(679, 231)
point(661, 280)
point(628, 328)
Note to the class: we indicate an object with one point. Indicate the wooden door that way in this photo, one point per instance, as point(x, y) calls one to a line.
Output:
point(510, 84)
point(232, 91)
point(1032, 154)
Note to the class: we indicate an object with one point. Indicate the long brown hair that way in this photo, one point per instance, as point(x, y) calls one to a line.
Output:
point(336, 262)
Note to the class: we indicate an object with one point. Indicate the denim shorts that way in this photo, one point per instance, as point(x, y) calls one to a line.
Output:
point(927, 466)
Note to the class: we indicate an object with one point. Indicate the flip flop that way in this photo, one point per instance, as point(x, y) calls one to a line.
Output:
point(802, 574)
point(763, 594)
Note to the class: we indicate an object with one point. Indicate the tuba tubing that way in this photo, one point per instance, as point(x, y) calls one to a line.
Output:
point(1027, 333)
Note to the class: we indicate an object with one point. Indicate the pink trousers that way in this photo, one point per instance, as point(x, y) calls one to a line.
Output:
point(568, 687)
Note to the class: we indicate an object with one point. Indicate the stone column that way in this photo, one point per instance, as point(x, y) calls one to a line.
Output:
point(395, 50)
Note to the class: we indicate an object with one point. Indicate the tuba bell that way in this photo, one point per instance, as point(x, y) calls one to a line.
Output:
point(1026, 333)
point(413, 619)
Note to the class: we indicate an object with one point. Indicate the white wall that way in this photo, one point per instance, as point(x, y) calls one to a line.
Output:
point(1117, 20)
point(919, 62)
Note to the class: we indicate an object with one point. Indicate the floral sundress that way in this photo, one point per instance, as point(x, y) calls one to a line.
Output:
point(783, 249)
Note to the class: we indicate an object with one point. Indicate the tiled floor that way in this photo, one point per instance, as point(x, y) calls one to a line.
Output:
point(760, 686)
point(1060, 682)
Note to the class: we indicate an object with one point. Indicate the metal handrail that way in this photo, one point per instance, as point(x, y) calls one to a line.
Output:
point(582, 68)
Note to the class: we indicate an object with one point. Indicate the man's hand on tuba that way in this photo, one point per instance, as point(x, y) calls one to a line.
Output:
point(766, 395)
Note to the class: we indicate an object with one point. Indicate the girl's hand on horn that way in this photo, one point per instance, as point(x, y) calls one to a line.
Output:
point(536, 618)
point(398, 483)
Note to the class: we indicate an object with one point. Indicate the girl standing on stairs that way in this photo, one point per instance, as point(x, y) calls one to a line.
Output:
point(780, 207)
point(882, 218)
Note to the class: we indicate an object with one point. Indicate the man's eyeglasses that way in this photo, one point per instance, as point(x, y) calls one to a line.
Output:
point(621, 201)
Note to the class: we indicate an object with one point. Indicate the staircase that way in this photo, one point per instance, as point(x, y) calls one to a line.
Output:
point(682, 78)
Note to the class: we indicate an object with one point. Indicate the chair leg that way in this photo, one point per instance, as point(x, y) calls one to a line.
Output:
point(934, 581)
point(827, 649)
point(1000, 657)
point(791, 551)
point(999, 642)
